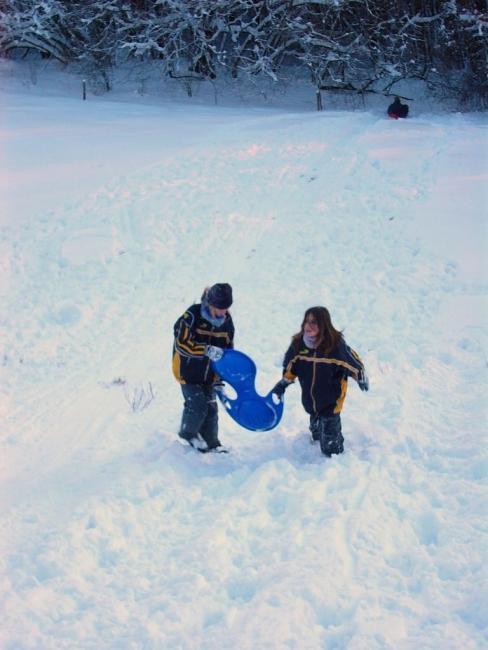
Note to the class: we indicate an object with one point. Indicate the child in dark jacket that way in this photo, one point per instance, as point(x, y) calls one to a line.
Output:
point(201, 334)
point(322, 361)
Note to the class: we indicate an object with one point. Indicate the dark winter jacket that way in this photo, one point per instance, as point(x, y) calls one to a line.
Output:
point(192, 334)
point(322, 377)
point(397, 109)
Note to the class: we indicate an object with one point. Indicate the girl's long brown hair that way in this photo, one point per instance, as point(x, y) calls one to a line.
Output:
point(328, 336)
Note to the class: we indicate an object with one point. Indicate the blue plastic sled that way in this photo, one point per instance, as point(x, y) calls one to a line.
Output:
point(249, 409)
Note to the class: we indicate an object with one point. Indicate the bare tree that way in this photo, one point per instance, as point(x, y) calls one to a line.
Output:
point(349, 45)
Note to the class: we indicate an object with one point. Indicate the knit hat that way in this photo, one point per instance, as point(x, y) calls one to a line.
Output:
point(220, 296)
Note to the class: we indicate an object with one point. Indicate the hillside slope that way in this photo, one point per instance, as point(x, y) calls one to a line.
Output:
point(116, 536)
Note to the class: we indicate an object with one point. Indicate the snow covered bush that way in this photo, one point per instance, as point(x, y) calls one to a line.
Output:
point(342, 45)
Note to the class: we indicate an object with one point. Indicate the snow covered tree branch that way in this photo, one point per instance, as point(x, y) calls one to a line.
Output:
point(342, 44)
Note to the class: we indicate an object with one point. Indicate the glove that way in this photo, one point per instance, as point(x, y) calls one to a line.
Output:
point(363, 381)
point(213, 352)
point(218, 386)
point(280, 387)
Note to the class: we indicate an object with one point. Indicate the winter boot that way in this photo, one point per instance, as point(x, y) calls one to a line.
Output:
point(331, 440)
point(314, 428)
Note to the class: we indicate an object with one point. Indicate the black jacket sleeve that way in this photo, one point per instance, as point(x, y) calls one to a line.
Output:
point(289, 372)
point(185, 344)
point(350, 360)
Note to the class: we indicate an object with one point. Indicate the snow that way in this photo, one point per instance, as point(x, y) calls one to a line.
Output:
point(115, 216)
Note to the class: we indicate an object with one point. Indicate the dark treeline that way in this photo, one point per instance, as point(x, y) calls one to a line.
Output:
point(343, 45)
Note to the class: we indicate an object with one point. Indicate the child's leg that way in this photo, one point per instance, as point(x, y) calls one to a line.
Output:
point(331, 440)
point(315, 427)
point(195, 410)
point(209, 427)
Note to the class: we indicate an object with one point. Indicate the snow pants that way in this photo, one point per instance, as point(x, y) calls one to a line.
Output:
point(328, 430)
point(200, 414)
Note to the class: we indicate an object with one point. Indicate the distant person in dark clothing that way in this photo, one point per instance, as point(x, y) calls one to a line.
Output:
point(397, 109)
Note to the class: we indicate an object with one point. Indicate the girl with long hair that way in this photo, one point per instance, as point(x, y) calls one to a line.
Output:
point(321, 360)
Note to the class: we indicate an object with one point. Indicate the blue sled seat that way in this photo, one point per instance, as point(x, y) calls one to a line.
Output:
point(250, 410)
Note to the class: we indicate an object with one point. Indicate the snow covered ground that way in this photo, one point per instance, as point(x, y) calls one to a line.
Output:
point(115, 216)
